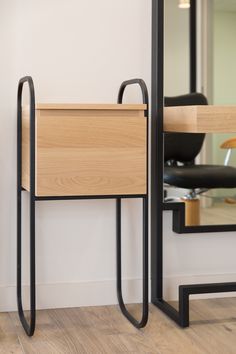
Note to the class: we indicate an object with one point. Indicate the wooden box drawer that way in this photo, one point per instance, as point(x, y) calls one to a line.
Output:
point(91, 150)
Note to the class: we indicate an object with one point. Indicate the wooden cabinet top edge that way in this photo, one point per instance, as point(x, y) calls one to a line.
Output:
point(76, 106)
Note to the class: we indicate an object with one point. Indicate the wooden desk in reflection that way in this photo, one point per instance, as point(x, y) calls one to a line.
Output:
point(200, 119)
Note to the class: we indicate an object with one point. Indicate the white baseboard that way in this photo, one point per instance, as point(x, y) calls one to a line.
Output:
point(62, 295)
point(172, 283)
point(100, 293)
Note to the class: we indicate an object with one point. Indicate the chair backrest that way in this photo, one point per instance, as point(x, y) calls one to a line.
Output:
point(183, 147)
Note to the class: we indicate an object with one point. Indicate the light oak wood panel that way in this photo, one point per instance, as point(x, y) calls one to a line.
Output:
point(101, 153)
point(90, 171)
point(66, 131)
point(25, 180)
point(200, 119)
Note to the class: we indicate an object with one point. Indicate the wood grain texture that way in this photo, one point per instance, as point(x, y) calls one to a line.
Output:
point(25, 150)
point(105, 330)
point(200, 119)
point(88, 152)
point(9, 340)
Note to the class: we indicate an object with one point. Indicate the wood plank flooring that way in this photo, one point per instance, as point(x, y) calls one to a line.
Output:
point(96, 330)
point(219, 214)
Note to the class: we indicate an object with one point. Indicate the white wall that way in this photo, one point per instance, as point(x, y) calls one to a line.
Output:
point(76, 51)
point(81, 51)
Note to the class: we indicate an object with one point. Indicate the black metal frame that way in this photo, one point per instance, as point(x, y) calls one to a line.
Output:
point(181, 317)
point(193, 45)
point(142, 323)
point(179, 226)
point(30, 327)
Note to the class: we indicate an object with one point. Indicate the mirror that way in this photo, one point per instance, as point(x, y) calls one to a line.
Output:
point(176, 44)
point(195, 169)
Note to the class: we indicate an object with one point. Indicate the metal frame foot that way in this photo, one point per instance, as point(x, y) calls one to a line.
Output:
point(142, 323)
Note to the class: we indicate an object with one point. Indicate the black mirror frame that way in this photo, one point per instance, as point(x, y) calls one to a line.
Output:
point(181, 317)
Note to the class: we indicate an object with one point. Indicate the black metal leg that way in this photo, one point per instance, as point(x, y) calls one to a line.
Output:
point(142, 323)
point(28, 327)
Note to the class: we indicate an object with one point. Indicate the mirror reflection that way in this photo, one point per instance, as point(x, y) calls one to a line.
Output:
point(200, 168)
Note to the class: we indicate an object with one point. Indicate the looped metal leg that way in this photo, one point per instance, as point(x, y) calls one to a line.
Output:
point(142, 323)
point(28, 327)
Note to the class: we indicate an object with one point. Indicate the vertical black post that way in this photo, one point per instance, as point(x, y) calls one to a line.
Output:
point(32, 213)
point(193, 46)
point(183, 307)
point(157, 149)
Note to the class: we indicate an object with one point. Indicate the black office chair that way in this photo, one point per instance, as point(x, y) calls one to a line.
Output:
point(180, 169)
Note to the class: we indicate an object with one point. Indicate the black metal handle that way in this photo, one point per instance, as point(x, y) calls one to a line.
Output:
point(143, 87)
point(22, 81)
point(31, 89)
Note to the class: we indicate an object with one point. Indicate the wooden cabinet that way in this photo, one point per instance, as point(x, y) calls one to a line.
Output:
point(91, 150)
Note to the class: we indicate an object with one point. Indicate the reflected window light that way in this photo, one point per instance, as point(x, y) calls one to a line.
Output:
point(184, 4)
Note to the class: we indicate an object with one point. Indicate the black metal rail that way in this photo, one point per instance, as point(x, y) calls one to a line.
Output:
point(180, 227)
point(193, 45)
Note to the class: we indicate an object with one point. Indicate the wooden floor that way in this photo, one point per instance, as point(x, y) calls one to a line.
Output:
point(105, 330)
point(219, 214)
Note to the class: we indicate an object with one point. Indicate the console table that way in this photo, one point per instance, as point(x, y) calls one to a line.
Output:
point(82, 151)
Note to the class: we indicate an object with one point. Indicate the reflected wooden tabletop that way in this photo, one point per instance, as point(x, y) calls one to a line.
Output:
point(200, 119)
